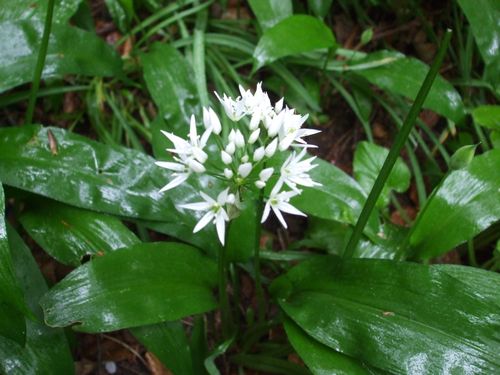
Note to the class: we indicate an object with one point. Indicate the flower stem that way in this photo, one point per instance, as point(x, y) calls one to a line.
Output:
point(225, 308)
point(42, 53)
point(399, 143)
point(261, 301)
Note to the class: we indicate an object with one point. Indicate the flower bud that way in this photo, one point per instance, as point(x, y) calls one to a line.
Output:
point(195, 166)
point(279, 105)
point(254, 122)
point(260, 184)
point(254, 136)
point(271, 148)
point(259, 154)
point(244, 169)
point(239, 140)
point(214, 121)
point(230, 199)
point(228, 173)
point(265, 174)
point(232, 136)
point(226, 158)
point(244, 159)
point(230, 148)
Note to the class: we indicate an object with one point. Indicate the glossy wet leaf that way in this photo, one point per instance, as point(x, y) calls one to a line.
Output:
point(12, 306)
point(321, 359)
point(488, 116)
point(168, 342)
point(28, 9)
point(462, 157)
point(333, 236)
point(483, 16)
point(394, 77)
point(70, 51)
point(368, 161)
point(145, 284)
point(242, 232)
point(398, 317)
point(338, 198)
point(464, 204)
point(320, 7)
point(69, 233)
point(292, 36)
point(270, 12)
point(46, 350)
point(169, 79)
point(109, 179)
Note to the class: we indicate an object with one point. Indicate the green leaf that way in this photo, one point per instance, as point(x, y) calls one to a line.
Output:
point(169, 79)
point(70, 51)
point(20, 10)
point(398, 317)
point(145, 284)
point(394, 77)
point(483, 16)
point(320, 7)
point(46, 350)
point(320, 358)
point(69, 233)
point(12, 305)
point(466, 202)
point(368, 161)
point(338, 198)
point(488, 116)
point(168, 342)
point(109, 179)
point(462, 157)
point(122, 12)
point(292, 36)
point(270, 12)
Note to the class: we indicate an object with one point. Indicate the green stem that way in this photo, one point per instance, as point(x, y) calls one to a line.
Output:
point(261, 301)
point(42, 53)
point(396, 148)
point(225, 308)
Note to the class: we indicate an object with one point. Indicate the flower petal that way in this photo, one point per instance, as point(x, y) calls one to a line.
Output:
point(204, 221)
point(175, 182)
point(220, 224)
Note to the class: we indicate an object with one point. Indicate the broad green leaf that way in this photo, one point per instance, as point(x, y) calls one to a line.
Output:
point(70, 51)
point(145, 284)
point(333, 237)
point(464, 204)
point(122, 12)
point(368, 161)
point(404, 76)
point(69, 233)
point(484, 19)
point(321, 359)
point(399, 317)
point(270, 12)
point(292, 36)
point(339, 197)
point(12, 324)
point(488, 116)
point(170, 82)
point(320, 7)
point(46, 350)
point(168, 342)
point(109, 179)
point(21, 10)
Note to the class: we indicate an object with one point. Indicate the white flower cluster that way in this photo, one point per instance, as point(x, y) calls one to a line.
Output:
point(244, 152)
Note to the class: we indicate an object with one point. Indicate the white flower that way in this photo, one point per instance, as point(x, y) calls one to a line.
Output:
point(211, 120)
point(294, 171)
point(230, 148)
point(228, 173)
point(233, 108)
point(265, 174)
point(239, 140)
point(181, 173)
point(278, 201)
point(260, 184)
point(215, 213)
point(291, 131)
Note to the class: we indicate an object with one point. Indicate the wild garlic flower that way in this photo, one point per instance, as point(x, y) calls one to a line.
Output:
point(258, 133)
